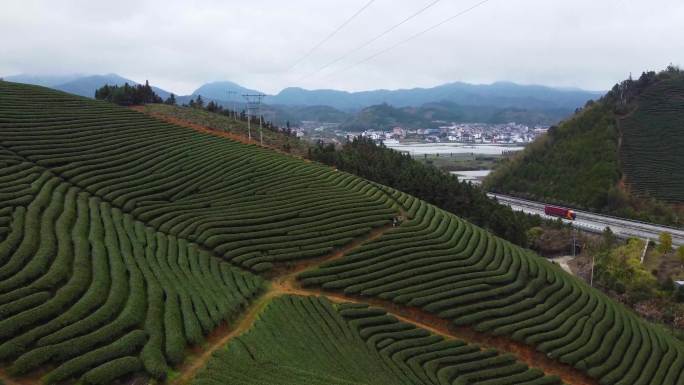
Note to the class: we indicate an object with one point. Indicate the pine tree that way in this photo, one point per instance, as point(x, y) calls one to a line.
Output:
point(171, 100)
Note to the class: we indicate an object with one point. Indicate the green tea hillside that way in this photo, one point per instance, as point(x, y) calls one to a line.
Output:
point(132, 249)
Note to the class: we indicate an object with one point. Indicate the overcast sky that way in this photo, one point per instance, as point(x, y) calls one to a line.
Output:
point(178, 45)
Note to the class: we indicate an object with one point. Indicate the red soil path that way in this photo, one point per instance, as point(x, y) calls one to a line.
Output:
point(286, 284)
point(207, 130)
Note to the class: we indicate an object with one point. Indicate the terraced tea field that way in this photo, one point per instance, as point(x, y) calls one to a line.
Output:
point(652, 142)
point(134, 248)
point(309, 340)
point(442, 265)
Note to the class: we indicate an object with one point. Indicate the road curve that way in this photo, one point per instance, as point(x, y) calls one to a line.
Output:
point(623, 228)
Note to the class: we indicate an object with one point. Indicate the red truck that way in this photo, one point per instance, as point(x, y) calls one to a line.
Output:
point(559, 212)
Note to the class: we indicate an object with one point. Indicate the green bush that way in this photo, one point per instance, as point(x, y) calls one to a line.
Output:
point(108, 372)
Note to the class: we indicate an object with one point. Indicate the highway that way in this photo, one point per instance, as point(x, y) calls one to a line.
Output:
point(623, 228)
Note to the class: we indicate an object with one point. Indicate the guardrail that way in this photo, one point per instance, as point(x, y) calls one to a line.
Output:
point(512, 198)
point(623, 228)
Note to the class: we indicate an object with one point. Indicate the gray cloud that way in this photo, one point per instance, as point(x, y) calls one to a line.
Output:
point(180, 44)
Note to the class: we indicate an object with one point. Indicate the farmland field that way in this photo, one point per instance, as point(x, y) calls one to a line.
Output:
point(131, 247)
point(652, 141)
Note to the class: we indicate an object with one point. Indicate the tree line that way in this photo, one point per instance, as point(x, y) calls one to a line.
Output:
point(128, 95)
point(365, 158)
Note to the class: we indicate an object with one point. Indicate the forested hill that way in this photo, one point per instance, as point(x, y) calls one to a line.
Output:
point(434, 114)
point(621, 154)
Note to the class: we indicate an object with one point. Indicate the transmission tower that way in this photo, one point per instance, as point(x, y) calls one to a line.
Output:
point(254, 103)
point(231, 99)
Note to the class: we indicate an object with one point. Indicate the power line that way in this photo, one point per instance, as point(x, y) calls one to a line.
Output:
point(371, 41)
point(333, 33)
point(448, 19)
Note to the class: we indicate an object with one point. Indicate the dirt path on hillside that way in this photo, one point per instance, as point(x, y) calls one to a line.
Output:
point(9, 380)
point(220, 338)
point(286, 284)
point(290, 273)
point(211, 131)
point(281, 284)
point(417, 317)
point(34, 378)
point(422, 319)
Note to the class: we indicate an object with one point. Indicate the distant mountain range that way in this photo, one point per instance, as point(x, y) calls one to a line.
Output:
point(219, 91)
point(454, 101)
point(43, 80)
point(500, 94)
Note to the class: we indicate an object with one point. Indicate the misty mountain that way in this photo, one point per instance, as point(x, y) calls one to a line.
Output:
point(500, 94)
point(457, 102)
point(219, 91)
point(43, 80)
point(86, 86)
point(83, 85)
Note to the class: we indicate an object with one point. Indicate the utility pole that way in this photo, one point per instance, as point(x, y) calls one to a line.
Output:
point(254, 103)
point(574, 242)
point(643, 254)
point(249, 118)
point(261, 129)
point(591, 279)
point(231, 99)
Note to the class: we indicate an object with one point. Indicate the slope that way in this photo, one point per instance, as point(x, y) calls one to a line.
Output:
point(237, 128)
point(437, 263)
point(652, 141)
point(309, 340)
point(84, 285)
point(118, 188)
point(618, 155)
point(103, 211)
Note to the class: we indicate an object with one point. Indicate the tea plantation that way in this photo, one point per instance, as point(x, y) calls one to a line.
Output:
point(309, 340)
point(126, 241)
point(120, 235)
point(443, 265)
point(249, 205)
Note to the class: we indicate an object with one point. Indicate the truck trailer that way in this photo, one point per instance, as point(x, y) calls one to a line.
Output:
point(560, 212)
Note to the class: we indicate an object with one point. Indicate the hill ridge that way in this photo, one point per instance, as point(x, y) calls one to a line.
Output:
point(619, 155)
